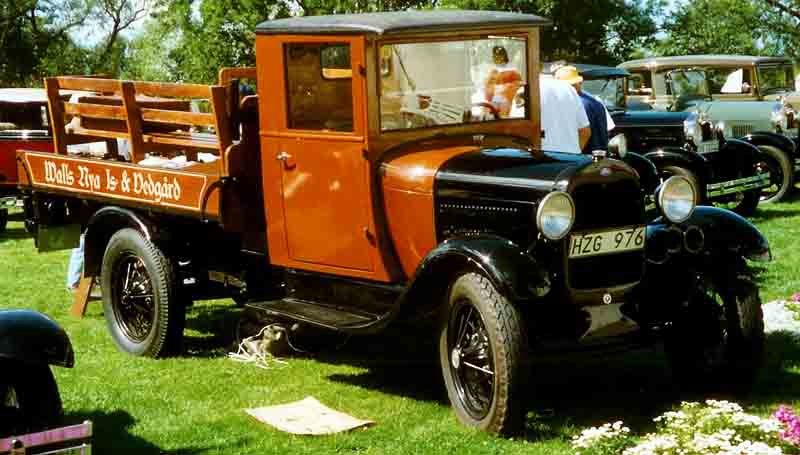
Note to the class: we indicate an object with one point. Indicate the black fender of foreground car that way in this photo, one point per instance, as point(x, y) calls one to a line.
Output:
point(513, 272)
point(102, 225)
point(647, 170)
point(723, 233)
point(34, 338)
point(779, 141)
point(675, 156)
point(735, 159)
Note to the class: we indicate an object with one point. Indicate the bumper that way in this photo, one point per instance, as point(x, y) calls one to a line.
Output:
point(737, 186)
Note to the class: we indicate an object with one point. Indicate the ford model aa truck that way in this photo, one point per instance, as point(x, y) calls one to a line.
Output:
point(354, 192)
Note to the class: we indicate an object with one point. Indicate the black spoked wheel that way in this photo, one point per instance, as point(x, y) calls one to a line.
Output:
point(719, 342)
point(780, 171)
point(482, 349)
point(142, 304)
point(29, 399)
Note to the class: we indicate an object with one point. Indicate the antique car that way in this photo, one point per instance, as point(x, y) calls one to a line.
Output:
point(729, 173)
point(23, 124)
point(29, 343)
point(746, 95)
point(363, 190)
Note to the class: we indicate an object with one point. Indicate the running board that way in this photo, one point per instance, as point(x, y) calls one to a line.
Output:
point(319, 314)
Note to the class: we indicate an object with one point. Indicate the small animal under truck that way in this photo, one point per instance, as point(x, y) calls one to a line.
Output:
point(371, 182)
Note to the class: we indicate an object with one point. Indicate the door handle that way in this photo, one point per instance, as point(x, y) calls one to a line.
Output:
point(288, 161)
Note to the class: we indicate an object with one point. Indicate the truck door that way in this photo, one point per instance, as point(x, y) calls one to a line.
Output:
point(326, 194)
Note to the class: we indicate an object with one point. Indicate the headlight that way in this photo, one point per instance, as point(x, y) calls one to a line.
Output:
point(779, 117)
point(691, 128)
point(618, 145)
point(555, 215)
point(676, 198)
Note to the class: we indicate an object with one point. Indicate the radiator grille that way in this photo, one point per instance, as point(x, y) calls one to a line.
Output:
point(742, 129)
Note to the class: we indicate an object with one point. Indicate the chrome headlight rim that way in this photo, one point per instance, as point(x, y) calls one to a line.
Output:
point(543, 206)
point(779, 117)
point(620, 142)
point(663, 192)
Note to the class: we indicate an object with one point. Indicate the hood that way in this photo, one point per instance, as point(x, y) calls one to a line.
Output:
point(649, 118)
point(758, 111)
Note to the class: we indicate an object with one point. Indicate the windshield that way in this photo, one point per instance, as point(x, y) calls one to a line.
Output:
point(610, 91)
point(20, 116)
point(452, 82)
point(775, 78)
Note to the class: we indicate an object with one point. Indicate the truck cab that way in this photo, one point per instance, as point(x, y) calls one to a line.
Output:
point(381, 176)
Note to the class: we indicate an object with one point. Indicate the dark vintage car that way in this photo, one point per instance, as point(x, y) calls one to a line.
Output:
point(29, 343)
point(730, 173)
point(368, 191)
point(23, 124)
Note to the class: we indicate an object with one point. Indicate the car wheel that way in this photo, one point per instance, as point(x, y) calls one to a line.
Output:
point(668, 171)
point(482, 351)
point(3, 219)
point(140, 296)
point(721, 340)
point(780, 170)
point(29, 399)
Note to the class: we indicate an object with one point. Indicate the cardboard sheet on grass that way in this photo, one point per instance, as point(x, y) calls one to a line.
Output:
point(307, 417)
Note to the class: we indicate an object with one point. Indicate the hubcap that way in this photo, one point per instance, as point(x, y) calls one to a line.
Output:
point(135, 304)
point(472, 360)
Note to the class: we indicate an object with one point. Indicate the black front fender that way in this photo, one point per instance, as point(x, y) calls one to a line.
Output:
point(734, 159)
point(513, 272)
point(32, 337)
point(778, 141)
point(674, 156)
point(648, 173)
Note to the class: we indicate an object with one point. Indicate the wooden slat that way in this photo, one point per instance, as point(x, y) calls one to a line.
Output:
point(56, 108)
point(180, 117)
point(108, 134)
point(228, 74)
point(95, 110)
point(184, 140)
point(223, 127)
point(172, 90)
point(88, 84)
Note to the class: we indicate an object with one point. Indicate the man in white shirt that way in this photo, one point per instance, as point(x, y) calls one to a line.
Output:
point(563, 118)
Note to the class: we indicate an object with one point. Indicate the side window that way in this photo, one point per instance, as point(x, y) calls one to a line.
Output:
point(729, 80)
point(640, 83)
point(319, 88)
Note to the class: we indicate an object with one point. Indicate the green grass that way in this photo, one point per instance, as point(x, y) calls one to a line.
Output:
point(194, 404)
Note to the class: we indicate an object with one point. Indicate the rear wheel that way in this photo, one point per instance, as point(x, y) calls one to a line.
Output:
point(140, 296)
point(482, 350)
point(780, 170)
point(720, 341)
point(29, 399)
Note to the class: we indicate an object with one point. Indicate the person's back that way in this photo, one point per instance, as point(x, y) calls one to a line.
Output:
point(562, 115)
point(596, 113)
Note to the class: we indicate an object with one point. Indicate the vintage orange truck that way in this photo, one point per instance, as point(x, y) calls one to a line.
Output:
point(371, 181)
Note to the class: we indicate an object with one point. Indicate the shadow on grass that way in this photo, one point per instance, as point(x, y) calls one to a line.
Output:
point(111, 434)
point(13, 234)
point(766, 212)
point(211, 330)
point(566, 393)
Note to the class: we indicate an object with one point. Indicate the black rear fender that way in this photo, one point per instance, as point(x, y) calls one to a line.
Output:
point(34, 338)
point(102, 225)
point(513, 272)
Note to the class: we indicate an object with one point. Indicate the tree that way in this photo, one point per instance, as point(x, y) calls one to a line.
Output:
point(783, 17)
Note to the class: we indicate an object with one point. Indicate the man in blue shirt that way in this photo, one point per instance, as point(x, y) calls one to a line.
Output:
point(597, 113)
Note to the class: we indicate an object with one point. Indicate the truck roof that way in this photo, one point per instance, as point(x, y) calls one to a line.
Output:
point(701, 60)
point(399, 22)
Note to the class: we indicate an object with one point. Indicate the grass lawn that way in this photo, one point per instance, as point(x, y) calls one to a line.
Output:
point(194, 404)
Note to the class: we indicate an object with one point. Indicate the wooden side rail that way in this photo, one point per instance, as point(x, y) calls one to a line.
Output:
point(154, 117)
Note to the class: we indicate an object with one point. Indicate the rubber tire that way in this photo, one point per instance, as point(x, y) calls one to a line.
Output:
point(36, 395)
point(677, 170)
point(786, 167)
point(166, 333)
point(3, 219)
point(738, 339)
point(508, 342)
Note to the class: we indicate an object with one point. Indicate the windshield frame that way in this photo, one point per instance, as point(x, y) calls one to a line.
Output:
point(522, 36)
point(622, 96)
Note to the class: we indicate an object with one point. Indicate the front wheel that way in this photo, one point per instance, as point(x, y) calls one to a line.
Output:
point(29, 399)
point(482, 349)
point(780, 170)
point(721, 339)
point(140, 296)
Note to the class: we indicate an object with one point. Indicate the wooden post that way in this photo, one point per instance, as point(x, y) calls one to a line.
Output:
point(56, 108)
point(221, 124)
point(133, 118)
point(82, 296)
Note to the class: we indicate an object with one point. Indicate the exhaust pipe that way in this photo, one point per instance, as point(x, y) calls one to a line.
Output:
point(693, 239)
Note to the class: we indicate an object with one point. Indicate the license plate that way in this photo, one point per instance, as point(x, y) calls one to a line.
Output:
point(606, 242)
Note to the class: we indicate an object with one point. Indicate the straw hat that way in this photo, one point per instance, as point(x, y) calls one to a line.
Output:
point(568, 74)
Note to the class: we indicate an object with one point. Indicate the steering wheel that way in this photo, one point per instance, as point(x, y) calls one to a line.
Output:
point(489, 106)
